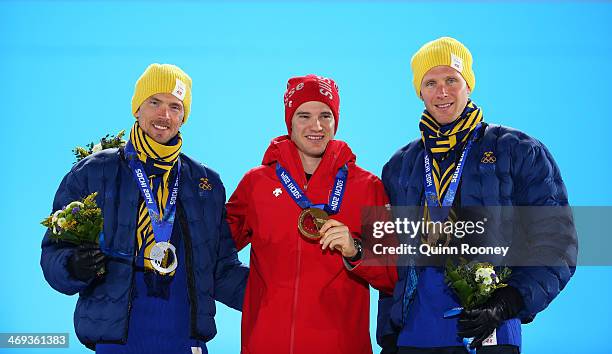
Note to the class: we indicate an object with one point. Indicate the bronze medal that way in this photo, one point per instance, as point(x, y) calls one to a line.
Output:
point(437, 237)
point(310, 222)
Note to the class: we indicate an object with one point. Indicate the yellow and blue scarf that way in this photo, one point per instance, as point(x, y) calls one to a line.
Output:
point(445, 144)
point(158, 161)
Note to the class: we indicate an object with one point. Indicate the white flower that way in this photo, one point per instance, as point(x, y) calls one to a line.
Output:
point(485, 275)
point(97, 147)
point(56, 215)
point(61, 222)
point(74, 204)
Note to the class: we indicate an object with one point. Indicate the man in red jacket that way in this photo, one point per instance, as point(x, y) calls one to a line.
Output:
point(301, 212)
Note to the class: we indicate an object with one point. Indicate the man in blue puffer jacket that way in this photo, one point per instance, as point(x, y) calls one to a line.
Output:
point(151, 284)
point(502, 167)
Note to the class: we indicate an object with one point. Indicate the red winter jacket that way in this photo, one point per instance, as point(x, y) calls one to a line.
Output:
point(299, 299)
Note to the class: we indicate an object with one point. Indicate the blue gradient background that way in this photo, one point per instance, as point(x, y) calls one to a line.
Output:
point(68, 70)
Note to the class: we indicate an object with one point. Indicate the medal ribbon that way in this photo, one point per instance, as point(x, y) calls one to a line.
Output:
point(335, 198)
point(162, 228)
point(432, 199)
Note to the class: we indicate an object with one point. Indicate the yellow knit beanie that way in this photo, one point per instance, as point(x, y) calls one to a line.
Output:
point(163, 78)
point(442, 51)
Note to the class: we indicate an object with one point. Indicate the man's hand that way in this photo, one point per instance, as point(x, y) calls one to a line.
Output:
point(337, 236)
point(86, 262)
point(479, 323)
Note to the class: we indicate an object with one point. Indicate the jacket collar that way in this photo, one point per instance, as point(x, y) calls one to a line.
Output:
point(284, 151)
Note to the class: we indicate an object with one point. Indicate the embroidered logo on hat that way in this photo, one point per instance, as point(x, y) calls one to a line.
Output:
point(456, 62)
point(179, 89)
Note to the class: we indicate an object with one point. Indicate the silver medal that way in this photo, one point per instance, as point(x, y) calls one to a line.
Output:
point(158, 251)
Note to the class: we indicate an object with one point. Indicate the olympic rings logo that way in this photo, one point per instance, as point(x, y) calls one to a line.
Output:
point(204, 184)
point(488, 157)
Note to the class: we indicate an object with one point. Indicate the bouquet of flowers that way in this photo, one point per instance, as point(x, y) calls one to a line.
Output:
point(78, 222)
point(107, 142)
point(474, 282)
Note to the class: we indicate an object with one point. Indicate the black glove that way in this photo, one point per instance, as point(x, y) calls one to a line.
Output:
point(389, 344)
point(86, 262)
point(504, 304)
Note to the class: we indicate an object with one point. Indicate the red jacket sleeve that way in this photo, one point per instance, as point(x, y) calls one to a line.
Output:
point(379, 271)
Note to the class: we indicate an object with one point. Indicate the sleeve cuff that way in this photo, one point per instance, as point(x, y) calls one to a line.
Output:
point(350, 265)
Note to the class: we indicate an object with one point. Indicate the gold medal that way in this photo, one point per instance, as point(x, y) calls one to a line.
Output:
point(310, 222)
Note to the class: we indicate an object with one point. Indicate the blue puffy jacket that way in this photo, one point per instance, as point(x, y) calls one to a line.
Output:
point(213, 269)
point(524, 174)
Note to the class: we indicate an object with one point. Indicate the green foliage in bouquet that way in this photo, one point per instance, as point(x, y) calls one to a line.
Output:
point(107, 142)
point(474, 282)
point(78, 222)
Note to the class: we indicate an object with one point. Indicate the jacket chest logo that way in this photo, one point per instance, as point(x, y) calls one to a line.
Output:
point(204, 184)
point(277, 192)
point(488, 157)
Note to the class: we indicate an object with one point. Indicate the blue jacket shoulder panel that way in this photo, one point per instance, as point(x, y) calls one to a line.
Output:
point(400, 174)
